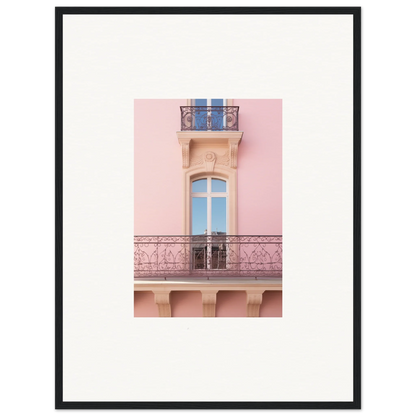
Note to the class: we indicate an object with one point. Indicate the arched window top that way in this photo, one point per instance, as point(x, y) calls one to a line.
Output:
point(200, 185)
point(209, 185)
point(218, 185)
point(209, 206)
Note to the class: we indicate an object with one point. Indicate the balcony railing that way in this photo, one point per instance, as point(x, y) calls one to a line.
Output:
point(214, 118)
point(222, 256)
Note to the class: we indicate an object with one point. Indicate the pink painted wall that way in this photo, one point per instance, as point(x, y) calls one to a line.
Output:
point(271, 305)
point(158, 167)
point(260, 167)
point(144, 304)
point(231, 304)
point(186, 304)
point(234, 304)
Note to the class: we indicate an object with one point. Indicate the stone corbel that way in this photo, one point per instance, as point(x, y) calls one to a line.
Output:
point(233, 145)
point(209, 300)
point(162, 300)
point(185, 152)
point(254, 299)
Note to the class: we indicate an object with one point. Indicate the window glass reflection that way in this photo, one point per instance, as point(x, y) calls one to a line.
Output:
point(199, 216)
point(218, 185)
point(219, 215)
point(199, 185)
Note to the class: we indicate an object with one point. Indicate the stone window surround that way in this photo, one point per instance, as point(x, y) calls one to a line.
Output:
point(213, 163)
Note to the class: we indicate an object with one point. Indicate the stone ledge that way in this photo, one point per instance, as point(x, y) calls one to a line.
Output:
point(197, 285)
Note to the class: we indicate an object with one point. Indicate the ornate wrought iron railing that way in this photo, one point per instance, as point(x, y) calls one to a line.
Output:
point(208, 256)
point(213, 118)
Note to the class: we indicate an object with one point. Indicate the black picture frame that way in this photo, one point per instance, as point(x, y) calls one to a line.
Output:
point(60, 403)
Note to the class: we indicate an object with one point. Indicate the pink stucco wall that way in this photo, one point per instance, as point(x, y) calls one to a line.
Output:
point(158, 167)
point(231, 304)
point(271, 305)
point(260, 167)
point(186, 304)
point(144, 305)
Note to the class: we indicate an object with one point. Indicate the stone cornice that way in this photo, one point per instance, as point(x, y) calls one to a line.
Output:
point(208, 285)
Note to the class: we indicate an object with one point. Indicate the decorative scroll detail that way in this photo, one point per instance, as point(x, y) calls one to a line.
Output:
point(197, 160)
point(222, 160)
point(212, 118)
point(218, 255)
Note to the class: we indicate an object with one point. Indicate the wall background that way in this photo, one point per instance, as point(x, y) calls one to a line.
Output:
point(157, 167)
point(260, 167)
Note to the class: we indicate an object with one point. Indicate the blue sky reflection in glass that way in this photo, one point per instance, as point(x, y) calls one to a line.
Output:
point(201, 116)
point(199, 215)
point(199, 185)
point(218, 185)
point(218, 221)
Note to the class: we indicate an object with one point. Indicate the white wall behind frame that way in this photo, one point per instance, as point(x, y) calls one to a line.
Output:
point(306, 61)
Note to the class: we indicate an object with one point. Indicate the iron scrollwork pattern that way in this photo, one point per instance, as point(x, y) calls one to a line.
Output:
point(208, 256)
point(211, 118)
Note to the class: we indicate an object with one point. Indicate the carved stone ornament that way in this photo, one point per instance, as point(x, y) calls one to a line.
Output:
point(210, 141)
point(199, 159)
point(209, 159)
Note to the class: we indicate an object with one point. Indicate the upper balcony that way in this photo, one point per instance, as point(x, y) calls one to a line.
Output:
point(208, 256)
point(213, 118)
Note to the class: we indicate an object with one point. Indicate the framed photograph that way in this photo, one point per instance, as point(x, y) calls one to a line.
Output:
point(207, 248)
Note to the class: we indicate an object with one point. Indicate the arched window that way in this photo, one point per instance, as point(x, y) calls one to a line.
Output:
point(209, 224)
point(226, 178)
point(209, 206)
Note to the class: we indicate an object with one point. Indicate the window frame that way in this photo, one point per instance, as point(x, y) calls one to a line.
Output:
point(209, 194)
point(224, 173)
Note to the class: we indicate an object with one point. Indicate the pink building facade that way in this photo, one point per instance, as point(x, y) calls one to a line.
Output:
point(208, 208)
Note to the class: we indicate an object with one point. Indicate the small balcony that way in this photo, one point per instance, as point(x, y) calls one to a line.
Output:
point(213, 118)
point(208, 256)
